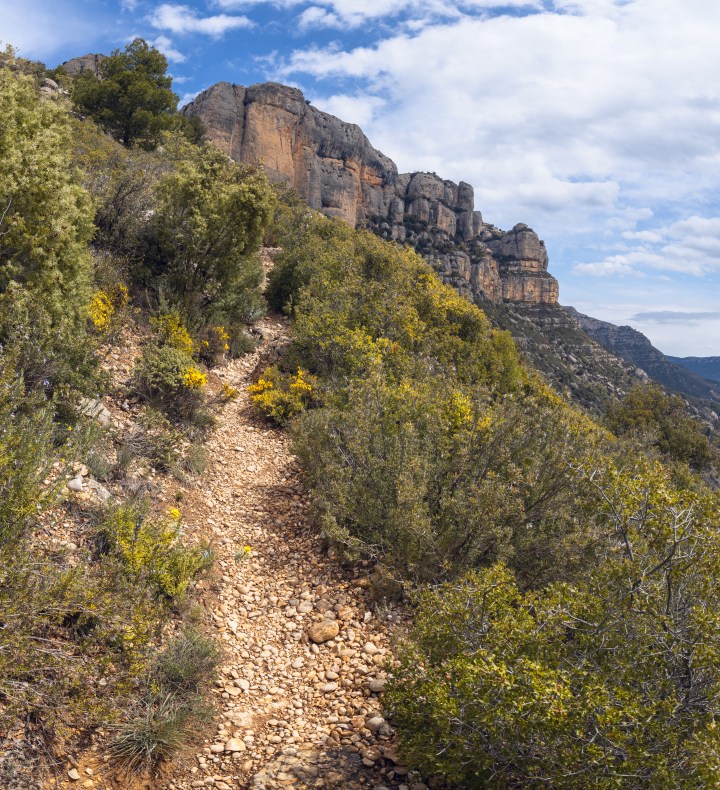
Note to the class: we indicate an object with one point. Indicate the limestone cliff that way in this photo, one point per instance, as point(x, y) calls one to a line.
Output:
point(333, 166)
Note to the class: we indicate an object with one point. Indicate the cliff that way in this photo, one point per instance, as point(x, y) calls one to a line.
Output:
point(333, 167)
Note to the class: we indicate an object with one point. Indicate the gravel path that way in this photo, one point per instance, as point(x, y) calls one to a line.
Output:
point(300, 684)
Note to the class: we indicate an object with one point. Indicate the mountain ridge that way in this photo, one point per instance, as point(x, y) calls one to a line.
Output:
point(335, 169)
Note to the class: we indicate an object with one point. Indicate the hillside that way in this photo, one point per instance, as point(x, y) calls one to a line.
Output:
point(281, 507)
point(706, 367)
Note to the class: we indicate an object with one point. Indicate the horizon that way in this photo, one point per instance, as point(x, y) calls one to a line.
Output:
point(594, 122)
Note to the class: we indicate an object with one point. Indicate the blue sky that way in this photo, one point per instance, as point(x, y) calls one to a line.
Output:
point(596, 122)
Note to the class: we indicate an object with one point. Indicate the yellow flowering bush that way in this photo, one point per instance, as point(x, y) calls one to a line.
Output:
point(154, 549)
point(214, 344)
point(101, 311)
point(194, 379)
point(281, 396)
point(171, 331)
point(105, 305)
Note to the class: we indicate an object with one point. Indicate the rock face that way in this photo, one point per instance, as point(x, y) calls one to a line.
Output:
point(84, 63)
point(333, 166)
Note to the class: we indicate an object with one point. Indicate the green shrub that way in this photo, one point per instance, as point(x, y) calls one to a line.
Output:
point(661, 420)
point(281, 397)
point(609, 682)
point(202, 242)
point(152, 549)
point(45, 227)
point(168, 377)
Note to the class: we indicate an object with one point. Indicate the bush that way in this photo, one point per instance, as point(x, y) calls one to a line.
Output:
point(281, 397)
point(186, 664)
point(45, 226)
point(168, 377)
point(203, 239)
point(611, 681)
point(661, 420)
point(152, 549)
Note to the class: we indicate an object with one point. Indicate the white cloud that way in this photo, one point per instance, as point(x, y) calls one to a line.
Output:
point(165, 45)
point(180, 19)
point(590, 117)
point(689, 246)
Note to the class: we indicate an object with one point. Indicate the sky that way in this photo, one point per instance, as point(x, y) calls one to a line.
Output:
point(596, 122)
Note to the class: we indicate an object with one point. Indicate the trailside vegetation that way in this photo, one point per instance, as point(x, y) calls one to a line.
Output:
point(564, 581)
point(92, 636)
point(133, 99)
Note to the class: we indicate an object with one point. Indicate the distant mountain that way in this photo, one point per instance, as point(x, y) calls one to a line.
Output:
point(707, 367)
point(635, 348)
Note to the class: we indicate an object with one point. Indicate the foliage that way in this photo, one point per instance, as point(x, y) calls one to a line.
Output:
point(432, 481)
point(171, 331)
point(609, 682)
point(167, 376)
point(26, 454)
point(152, 548)
point(283, 396)
point(45, 225)
point(663, 421)
point(204, 236)
point(213, 345)
point(133, 99)
point(105, 306)
point(66, 627)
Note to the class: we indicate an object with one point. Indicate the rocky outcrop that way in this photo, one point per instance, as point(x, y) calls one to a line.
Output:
point(333, 166)
point(89, 63)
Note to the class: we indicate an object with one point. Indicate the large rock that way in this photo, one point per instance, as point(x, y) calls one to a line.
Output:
point(333, 166)
point(89, 63)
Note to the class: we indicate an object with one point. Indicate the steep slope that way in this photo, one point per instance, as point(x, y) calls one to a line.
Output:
point(706, 367)
point(333, 167)
point(635, 348)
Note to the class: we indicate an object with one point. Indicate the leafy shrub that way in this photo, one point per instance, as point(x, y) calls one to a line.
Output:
point(280, 396)
point(611, 681)
point(152, 548)
point(45, 226)
point(167, 376)
point(214, 345)
point(203, 239)
point(432, 482)
point(662, 421)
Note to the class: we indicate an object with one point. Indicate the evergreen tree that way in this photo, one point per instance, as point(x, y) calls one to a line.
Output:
point(133, 99)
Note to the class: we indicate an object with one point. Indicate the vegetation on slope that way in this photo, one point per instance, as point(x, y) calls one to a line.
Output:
point(97, 242)
point(573, 638)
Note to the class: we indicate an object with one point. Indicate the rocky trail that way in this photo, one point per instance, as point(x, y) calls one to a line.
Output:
point(298, 690)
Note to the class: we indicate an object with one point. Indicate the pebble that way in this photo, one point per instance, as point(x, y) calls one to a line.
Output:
point(73, 774)
point(234, 745)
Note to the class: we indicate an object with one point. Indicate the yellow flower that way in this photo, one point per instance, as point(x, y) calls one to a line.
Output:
point(193, 379)
point(174, 514)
